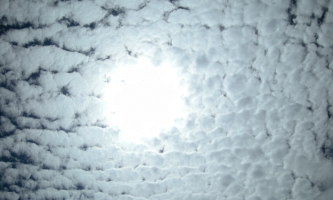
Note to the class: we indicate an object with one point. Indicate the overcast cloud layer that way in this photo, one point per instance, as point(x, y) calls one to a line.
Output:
point(259, 89)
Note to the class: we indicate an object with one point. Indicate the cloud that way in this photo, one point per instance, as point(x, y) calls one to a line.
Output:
point(258, 93)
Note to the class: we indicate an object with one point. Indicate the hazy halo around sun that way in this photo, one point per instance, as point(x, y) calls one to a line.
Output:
point(143, 99)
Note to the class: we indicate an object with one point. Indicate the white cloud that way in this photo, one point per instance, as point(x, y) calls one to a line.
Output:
point(258, 81)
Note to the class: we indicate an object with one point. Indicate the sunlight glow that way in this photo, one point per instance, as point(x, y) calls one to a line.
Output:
point(144, 99)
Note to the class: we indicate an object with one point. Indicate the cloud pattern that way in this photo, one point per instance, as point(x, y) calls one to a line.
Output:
point(258, 76)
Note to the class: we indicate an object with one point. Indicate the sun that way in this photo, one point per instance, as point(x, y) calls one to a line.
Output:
point(144, 99)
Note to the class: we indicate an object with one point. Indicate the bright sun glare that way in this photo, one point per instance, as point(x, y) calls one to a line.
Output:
point(144, 99)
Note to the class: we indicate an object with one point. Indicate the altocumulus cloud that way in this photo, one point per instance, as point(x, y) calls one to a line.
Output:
point(258, 77)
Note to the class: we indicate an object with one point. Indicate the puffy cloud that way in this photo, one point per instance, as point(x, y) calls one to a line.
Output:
point(257, 80)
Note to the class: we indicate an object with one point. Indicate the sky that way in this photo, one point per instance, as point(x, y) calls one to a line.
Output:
point(251, 86)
